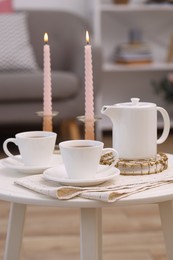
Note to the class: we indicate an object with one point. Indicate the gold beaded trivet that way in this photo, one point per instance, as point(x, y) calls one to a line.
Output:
point(152, 165)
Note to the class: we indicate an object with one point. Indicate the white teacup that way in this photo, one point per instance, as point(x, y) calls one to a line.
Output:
point(81, 158)
point(35, 147)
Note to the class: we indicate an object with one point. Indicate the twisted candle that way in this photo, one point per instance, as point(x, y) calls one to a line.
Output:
point(89, 93)
point(47, 93)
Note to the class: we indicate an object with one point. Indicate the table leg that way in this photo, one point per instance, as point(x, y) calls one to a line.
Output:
point(166, 215)
point(91, 234)
point(14, 231)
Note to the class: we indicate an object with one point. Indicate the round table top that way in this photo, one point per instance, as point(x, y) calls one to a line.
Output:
point(14, 193)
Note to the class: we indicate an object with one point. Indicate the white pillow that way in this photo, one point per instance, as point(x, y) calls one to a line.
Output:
point(16, 53)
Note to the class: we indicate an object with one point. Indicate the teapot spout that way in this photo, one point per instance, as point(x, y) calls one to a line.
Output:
point(108, 111)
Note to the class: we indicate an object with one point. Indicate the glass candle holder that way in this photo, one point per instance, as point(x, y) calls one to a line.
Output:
point(82, 118)
point(47, 120)
point(89, 130)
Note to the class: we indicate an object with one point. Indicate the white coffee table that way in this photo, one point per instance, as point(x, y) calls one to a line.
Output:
point(91, 215)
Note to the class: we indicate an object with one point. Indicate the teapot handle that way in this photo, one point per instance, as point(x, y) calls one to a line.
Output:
point(166, 128)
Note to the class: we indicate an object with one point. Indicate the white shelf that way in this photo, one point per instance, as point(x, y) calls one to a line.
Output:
point(135, 8)
point(110, 67)
point(111, 24)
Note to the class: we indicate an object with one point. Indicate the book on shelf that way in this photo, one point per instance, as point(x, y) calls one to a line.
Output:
point(159, 2)
point(134, 51)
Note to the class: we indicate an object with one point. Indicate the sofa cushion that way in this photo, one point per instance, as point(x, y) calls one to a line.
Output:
point(16, 52)
point(66, 36)
point(28, 86)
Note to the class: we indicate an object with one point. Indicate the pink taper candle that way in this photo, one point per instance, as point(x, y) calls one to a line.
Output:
point(47, 93)
point(89, 93)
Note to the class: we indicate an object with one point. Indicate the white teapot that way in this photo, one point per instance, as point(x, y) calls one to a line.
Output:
point(135, 128)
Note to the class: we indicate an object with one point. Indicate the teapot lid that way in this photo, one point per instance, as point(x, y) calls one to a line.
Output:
point(136, 104)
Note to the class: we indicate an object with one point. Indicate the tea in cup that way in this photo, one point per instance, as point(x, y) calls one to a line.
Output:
point(81, 158)
point(35, 147)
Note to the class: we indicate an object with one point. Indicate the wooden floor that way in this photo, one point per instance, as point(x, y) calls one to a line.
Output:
point(129, 233)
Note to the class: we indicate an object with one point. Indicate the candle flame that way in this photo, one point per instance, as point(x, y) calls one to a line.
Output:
point(46, 38)
point(87, 37)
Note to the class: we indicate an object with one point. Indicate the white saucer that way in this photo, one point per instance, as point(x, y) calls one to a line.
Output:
point(10, 163)
point(58, 174)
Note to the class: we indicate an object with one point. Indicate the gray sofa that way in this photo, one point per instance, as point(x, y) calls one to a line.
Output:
point(22, 91)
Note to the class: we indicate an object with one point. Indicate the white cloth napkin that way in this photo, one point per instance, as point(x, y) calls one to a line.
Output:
point(109, 191)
